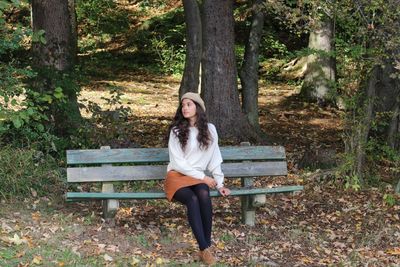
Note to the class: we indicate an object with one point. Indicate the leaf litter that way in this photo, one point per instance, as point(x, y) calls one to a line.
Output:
point(322, 226)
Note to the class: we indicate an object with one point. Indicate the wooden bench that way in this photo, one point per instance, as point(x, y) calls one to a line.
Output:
point(107, 165)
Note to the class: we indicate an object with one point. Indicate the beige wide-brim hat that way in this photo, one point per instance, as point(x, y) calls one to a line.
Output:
point(195, 98)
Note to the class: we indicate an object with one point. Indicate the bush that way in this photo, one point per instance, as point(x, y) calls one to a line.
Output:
point(28, 172)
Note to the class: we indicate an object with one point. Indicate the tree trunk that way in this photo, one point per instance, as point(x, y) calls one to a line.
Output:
point(394, 128)
point(364, 127)
point(219, 72)
point(388, 98)
point(249, 71)
point(320, 73)
point(54, 61)
point(190, 78)
point(74, 30)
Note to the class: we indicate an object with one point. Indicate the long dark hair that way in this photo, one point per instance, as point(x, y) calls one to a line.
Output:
point(180, 127)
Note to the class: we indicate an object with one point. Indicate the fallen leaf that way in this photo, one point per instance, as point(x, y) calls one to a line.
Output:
point(107, 257)
point(135, 261)
point(5, 228)
point(16, 240)
point(37, 260)
point(220, 245)
point(394, 251)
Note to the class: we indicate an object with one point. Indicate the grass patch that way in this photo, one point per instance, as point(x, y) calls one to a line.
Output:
point(27, 172)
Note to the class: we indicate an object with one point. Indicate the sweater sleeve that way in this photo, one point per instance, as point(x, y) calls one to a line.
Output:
point(214, 165)
point(178, 161)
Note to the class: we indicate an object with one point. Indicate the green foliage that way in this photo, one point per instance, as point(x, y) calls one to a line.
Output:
point(365, 32)
point(147, 4)
point(26, 113)
point(106, 125)
point(345, 170)
point(27, 172)
point(272, 47)
point(101, 16)
point(17, 114)
point(99, 22)
point(171, 58)
point(389, 199)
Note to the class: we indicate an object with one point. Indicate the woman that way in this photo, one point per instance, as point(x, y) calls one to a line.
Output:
point(193, 148)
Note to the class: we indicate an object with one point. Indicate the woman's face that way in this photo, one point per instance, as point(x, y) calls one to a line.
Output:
point(189, 109)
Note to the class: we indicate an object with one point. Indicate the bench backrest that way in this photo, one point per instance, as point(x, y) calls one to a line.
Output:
point(100, 165)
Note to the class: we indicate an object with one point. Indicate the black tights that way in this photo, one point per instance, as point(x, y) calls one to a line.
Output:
point(199, 211)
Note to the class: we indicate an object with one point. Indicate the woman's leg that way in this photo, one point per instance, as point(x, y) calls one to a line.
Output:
point(187, 197)
point(202, 192)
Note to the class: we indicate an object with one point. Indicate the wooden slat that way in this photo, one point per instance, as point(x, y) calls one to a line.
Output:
point(71, 196)
point(155, 155)
point(157, 172)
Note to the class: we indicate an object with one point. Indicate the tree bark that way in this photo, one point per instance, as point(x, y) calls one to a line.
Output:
point(53, 17)
point(74, 30)
point(321, 72)
point(190, 78)
point(54, 60)
point(364, 127)
point(249, 71)
point(219, 72)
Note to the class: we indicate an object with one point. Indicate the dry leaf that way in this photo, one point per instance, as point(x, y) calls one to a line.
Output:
point(37, 260)
point(393, 251)
point(107, 257)
point(5, 228)
point(16, 240)
point(159, 261)
point(135, 261)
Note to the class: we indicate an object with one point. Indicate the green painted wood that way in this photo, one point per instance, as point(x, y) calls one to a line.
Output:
point(158, 172)
point(158, 155)
point(71, 196)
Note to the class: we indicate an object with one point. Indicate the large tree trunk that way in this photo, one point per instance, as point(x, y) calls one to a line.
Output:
point(219, 72)
point(190, 78)
point(249, 71)
point(320, 73)
point(54, 60)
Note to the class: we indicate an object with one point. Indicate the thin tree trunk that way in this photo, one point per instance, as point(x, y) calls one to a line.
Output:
point(249, 71)
point(190, 78)
point(219, 72)
point(364, 127)
point(393, 131)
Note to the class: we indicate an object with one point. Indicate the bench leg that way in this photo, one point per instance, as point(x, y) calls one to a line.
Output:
point(110, 206)
point(259, 200)
point(248, 211)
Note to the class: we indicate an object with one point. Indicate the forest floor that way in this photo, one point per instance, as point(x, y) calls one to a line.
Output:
point(324, 225)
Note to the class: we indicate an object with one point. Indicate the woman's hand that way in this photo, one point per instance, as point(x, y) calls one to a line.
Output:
point(210, 181)
point(224, 191)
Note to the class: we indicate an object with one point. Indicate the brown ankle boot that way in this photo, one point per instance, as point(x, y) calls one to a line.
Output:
point(207, 257)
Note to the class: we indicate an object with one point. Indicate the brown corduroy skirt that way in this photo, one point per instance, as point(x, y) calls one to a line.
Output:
point(175, 181)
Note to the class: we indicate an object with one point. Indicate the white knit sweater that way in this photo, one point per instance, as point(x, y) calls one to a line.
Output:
point(193, 161)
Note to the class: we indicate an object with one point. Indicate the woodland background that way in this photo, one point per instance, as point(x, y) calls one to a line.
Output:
point(318, 77)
